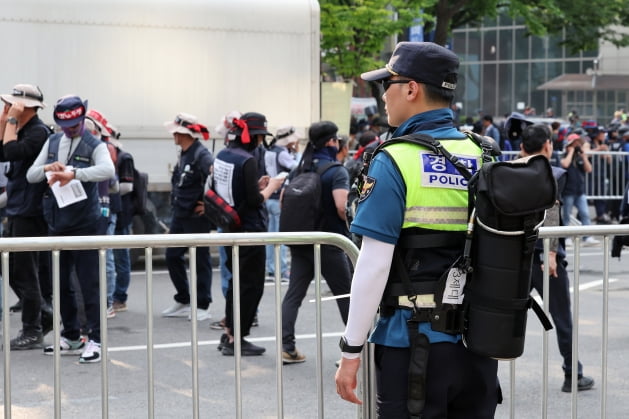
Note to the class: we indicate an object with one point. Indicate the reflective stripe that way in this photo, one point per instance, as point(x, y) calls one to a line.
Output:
point(456, 217)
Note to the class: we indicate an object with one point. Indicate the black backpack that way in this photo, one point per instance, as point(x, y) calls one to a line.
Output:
point(301, 201)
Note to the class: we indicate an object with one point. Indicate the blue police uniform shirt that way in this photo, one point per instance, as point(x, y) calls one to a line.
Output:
point(380, 216)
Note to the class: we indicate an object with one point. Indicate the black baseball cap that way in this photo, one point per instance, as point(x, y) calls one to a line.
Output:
point(425, 62)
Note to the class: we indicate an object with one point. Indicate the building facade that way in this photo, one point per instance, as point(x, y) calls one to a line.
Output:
point(504, 70)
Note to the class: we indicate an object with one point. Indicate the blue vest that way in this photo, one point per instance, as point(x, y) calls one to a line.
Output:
point(188, 179)
point(234, 158)
point(81, 214)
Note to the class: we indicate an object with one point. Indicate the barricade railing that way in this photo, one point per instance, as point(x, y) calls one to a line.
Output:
point(149, 242)
point(367, 390)
point(546, 233)
point(607, 180)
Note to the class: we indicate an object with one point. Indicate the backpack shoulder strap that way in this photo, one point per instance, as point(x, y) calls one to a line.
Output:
point(321, 170)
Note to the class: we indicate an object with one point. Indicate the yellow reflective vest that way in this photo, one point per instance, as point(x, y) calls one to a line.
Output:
point(436, 193)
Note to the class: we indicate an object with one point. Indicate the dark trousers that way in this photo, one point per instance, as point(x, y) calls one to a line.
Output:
point(251, 260)
point(459, 384)
point(559, 307)
point(335, 268)
point(86, 265)
point(177, 264)
point(24, 271)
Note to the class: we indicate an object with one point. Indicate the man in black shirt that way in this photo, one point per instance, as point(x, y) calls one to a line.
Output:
point(23, 135)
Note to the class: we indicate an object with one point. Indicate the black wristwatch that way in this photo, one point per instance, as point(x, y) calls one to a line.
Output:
point(345, 347)
point(12, 120)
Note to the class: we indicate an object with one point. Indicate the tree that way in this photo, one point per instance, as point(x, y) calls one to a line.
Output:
point(354, 31)
point(581, 24)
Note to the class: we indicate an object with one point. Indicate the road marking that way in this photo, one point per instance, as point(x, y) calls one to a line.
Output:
point(213, 342)
point(592, 284)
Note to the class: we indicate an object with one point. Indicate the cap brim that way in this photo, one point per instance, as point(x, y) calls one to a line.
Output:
point(69, 123)
point(29, 103)
point(376, 75)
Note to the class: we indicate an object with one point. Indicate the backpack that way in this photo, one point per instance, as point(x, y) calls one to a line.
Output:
point(505, 214)
point(301, 201)
point(139, 194)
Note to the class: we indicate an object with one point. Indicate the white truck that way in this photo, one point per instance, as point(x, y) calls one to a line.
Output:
point(140, 62)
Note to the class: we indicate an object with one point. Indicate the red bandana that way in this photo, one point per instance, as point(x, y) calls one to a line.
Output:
point(244, 137)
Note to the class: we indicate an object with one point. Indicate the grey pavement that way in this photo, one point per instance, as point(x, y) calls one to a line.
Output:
point(32, 372)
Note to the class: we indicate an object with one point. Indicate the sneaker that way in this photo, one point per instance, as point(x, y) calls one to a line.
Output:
point(583, 383)
point(91, 353)
point(118, 306)
point(111, 312)
point(67, 347)
point(294, 357)
point(569, 243)
point(255, 322)
point(219, 325)
point(590, 241)
point(23, 342)
point(247, 348)
point(177, 310)
point(201, 314)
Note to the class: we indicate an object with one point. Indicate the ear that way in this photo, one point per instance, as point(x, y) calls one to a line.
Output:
point(414, 90)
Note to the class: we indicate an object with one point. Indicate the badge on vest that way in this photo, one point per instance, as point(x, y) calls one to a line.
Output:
point(438, 172)
point(368, 186)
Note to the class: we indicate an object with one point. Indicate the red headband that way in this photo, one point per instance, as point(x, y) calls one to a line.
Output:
point(244, 137)
point(200, 129)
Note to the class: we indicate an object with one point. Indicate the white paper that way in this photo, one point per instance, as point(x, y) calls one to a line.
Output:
point(68, 194)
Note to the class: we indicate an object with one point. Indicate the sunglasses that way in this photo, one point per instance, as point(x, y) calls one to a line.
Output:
point(386, 83)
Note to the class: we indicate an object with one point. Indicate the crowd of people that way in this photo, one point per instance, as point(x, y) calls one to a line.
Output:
point(398, 219)
point(83, 153)
point(66, 183)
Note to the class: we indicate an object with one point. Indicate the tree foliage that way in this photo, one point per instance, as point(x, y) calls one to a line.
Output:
point(354, 31)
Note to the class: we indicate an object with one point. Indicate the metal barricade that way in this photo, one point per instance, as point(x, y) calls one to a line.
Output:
point(149, 242)
point(608, 178)
point(546, 233)
point(607, 232)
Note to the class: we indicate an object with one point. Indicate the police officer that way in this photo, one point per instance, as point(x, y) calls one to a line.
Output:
point(412, 224)
point(74, 154)
point(188, 181)
point(236, 179)
point(22, 136)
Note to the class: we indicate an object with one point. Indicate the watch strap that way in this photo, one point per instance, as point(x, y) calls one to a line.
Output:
point(346, 347)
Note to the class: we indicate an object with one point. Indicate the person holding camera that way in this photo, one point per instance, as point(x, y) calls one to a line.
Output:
point(576, 162)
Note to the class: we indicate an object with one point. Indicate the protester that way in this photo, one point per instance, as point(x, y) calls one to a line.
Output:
point(69, 156)
point(322, 149)
point(23, 134)
point(188, 181)
point(236, 179)
point(278, 159)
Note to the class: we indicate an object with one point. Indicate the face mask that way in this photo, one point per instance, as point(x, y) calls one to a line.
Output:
point(73, 131)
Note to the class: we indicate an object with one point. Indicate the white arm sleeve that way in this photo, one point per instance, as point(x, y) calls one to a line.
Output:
point(370, 279)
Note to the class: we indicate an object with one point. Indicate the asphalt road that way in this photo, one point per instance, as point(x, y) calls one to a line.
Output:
point(32, 372)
